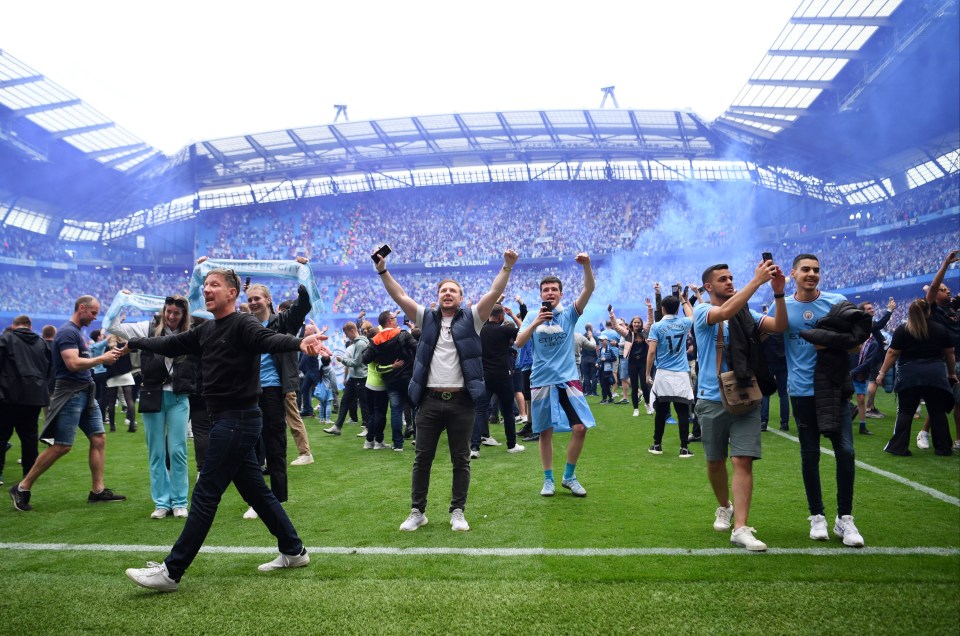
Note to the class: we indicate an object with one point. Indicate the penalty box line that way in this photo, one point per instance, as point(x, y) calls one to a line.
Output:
point(936, 494)
point(497, 552)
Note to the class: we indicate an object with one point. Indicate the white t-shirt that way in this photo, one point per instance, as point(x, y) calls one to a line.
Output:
point(445, 371)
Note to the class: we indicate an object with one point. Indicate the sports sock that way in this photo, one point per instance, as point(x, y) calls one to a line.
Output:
point(548, 474)
point(568, 472)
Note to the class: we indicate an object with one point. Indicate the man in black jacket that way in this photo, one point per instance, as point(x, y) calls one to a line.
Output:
point(24, 368)
point(497, 337)
point(392, 350)
point(229, 347)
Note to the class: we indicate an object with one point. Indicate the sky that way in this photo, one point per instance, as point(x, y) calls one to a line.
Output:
point(178, 72)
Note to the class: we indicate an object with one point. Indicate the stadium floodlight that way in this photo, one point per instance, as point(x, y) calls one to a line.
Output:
point(341, 110)
point(608, 92)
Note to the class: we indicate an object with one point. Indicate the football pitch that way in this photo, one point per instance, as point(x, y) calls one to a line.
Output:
point(637, 555)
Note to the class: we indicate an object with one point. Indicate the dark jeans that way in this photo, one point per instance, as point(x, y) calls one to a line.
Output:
point(907, 402)
point(24, 420)
point(397, 395)
point(660, 421)
point(780, 375)
point(354, 392)
point(200, 425)
point(805, 414)
point(589, 372)
point(606, 383)
point(274, 435)
point(378, 402)
point(435, 415)
point(502, 388)
point(110, 397)
point(305, 397)
point(231, 458)
point(638, 379)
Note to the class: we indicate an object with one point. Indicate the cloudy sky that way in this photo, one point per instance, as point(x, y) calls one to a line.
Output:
point(176, 72)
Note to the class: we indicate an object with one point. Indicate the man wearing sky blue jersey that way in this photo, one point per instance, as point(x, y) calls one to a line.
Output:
point(725, 433)
point(804, 309)
point(558, 402)
point(668, 346)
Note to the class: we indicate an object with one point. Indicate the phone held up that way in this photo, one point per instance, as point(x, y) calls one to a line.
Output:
point(381, 251)
point(676, 290)
point(766, 256)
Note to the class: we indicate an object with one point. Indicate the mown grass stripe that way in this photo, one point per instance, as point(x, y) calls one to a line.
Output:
point(936, 494)
point(497, 552)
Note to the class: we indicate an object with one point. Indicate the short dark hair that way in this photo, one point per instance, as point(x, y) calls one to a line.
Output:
point(83, 300)
point(496, 311)
point(49, 331)
point(22, 321)
point(863, 305)
point(551, 279)
point(670, 305)
point(708, 273)
point(804, 257)
point(384, 318)
point(95, 334)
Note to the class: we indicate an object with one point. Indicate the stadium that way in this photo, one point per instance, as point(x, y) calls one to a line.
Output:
point(844, 142)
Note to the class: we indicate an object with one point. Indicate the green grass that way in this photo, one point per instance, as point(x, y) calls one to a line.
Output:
point(356, 498)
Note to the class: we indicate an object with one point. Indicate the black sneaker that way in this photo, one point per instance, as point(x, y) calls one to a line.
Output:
point(685, 453)
point(864, 431)
point(655, 449)
point(533, 437)
point(784, 427)
point(763, 426)
point(21, 499)
point(104, 495)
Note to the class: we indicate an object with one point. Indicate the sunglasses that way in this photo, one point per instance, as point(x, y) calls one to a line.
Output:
point(179, 302)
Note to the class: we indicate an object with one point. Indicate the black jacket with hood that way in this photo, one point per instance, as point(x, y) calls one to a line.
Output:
point(24, 368)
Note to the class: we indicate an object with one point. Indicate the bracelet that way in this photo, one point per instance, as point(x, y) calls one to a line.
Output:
point(382, 273)
point(778, 295)
point(507, 268)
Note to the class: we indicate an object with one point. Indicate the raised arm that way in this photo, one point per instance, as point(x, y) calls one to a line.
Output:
point(951, 258)
point(735, 303)
point(399, 296)
point(489, 299)
point(589, 284)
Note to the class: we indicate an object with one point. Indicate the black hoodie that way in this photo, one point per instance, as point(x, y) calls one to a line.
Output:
point(24, 367)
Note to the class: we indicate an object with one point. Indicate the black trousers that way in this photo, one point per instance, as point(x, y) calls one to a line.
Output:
point(435, 415)
point(354, 394)
point(274, 437)
point(907, 402)
point(23, 419)
point(638, 379)
point(200, 425)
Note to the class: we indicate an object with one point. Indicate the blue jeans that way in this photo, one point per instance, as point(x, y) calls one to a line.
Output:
point(780, 375)
point(231, 458)
point(307, 386)
point(166, 434)
point(397, 395)
point(805, 414)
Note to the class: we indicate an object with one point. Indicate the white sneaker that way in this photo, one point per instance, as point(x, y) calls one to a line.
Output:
point(743, 536)
point(549, 488)
point(457, 522)
point(844, 527)
point(286, 561)
point(302, 460)
point(363, 432)
point(474, 454)
point(180, 513)
point(923, 440)
point(489, 441)
point(250, 513)
point(649, 410)
point(368, 445)
point(818, 528)
point(636, 412)
point(333, 430)
point(722, 522)
point(414, 521)
point(154, 577)
point(159, 513)
point(517, 448)
point(381, 446)
point(522, 419)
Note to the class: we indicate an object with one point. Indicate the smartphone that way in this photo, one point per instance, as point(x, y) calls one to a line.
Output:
point(382, 252)
point(247, 283)
point(609, 308)
point(676, 290)
point(766, 256)
point(765, 309)
point(546, 306)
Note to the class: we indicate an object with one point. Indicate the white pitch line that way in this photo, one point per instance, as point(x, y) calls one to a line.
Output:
point(936, 494)
point(496, 552)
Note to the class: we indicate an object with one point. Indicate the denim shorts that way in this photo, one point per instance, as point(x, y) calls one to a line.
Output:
point(74, 415)
point(860, 388)
point(623, 370)
point(721, 429)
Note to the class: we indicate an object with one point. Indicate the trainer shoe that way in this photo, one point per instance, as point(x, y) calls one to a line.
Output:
point(368, 445)
point(548, 488)
point(722, 522)
point(398, 449)
point(636, 412)
point(153, 577)
point(693, 438)
point(874, 414)
point(250, 513)
point(457, 522)
point(623, 401)
point(649, 410)
point(474, 453)
point(655, 449)
point(180, 513)
point(363, 432)
point(574, 486)
point(517, 448)
point(21, 498)
point(286, 561)
point(104, 496)
point(671, 420)
point(414, 521)
point(159, 513)
point(923, 440)
point(865, 431)
point(489, 441)
point(685, 453)
point(333, 430)
point(533, 437)
point(784, 427)
point(844, 527)
point(381, 446)
point(818, 528)
point(302, 460)
point(743, 536)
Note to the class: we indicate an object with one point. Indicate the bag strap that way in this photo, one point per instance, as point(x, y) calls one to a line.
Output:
point(719, 346)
